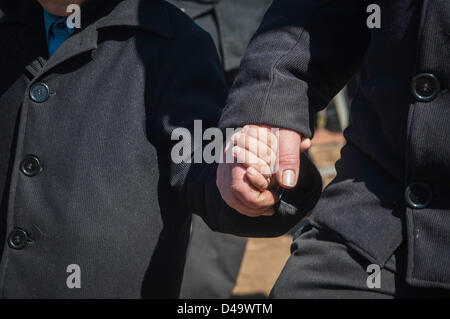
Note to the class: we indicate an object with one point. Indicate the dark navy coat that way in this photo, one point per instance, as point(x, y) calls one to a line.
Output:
point(393, 182)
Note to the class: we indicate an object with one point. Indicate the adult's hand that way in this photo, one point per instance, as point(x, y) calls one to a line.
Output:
point(239, 193)
point(267, 158)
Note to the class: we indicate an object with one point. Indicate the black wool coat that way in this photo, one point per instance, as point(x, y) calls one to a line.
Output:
point(393, 182)
point(86, 176)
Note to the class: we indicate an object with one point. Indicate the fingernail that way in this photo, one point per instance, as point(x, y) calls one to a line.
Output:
point(289, 178)
point(251, 171)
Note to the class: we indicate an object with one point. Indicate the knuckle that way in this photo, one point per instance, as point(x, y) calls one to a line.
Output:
point(236, 187)
point(265, 170)
point(288, 158)
point(258, 202)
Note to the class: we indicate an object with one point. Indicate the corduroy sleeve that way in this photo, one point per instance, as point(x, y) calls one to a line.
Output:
point(304, 52)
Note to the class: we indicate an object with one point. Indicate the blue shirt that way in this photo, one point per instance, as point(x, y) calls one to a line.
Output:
point(56, 31)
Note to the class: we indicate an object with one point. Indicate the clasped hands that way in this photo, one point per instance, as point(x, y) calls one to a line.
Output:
point(267, 160)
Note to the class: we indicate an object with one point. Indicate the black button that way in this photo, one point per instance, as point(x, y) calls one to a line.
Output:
point(418, 195)
point(31, 166)
point(18, 239)
point(39, 92)
point(425, 87)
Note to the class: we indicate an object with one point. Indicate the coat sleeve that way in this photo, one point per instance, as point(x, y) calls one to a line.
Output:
point(302, 55)
point(304, 52)
point(190, 86)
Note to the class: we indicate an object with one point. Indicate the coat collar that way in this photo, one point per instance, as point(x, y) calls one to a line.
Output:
point(150, 15)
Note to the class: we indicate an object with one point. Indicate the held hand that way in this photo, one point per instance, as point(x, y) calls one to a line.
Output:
point(239, 193)
point(267, 158)
point(271, 155)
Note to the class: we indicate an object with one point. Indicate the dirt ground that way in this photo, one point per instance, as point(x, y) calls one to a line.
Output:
point(264, 258)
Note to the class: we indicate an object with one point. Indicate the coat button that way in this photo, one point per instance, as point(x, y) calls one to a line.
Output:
point(31, 166)
point(18, 239)
point(39, 92)
point(425, 87)
point(418, 195)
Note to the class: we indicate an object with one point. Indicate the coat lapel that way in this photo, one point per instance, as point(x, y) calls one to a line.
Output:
point(96, 15)
point(79, 43)
point(141, 14)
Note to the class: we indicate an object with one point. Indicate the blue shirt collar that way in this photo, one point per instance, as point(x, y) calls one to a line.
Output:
point(56, 31)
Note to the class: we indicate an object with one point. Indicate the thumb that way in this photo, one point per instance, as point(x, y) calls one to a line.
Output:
point(289, 143)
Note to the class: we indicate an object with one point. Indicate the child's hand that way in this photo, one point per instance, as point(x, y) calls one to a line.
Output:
point(271, 155)
point(256, 148)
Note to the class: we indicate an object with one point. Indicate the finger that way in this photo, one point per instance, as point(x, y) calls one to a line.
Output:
point(305, 145)
point(260, 203)
point(257, 147)
point(258, 200)
point(247, 195)
point(257, 179)
point(244, 193)
point(288, 158)
point(238, 193)
point(253, 212)
point(264, 134)
point(248, 159)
